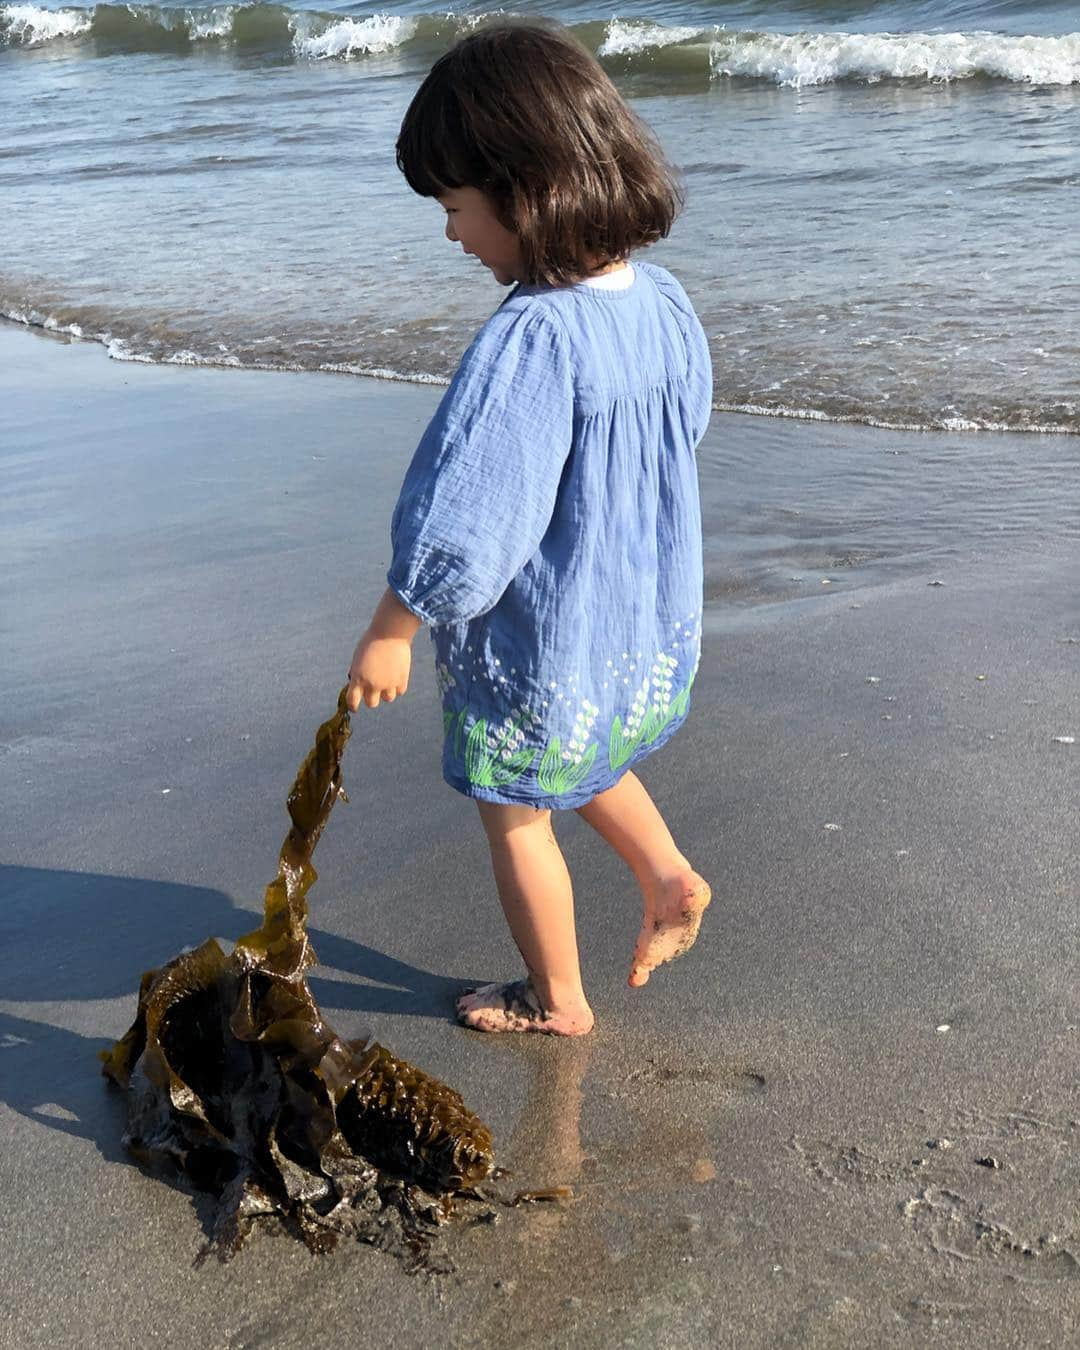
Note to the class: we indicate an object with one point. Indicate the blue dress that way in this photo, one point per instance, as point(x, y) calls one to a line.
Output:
point(549, 532)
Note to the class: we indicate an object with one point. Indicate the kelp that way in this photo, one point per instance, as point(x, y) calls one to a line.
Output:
point(235, 1078)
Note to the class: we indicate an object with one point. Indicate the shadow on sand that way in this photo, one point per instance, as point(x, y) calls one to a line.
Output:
point(82, 937)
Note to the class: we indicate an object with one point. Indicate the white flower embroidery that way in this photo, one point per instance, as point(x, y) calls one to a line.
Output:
point(444, 677)
point(579, 737)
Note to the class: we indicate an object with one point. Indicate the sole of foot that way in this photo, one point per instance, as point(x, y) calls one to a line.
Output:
point(515, 1008)
point(673, 910)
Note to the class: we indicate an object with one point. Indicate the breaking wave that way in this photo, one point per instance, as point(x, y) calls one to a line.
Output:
point(788, 59)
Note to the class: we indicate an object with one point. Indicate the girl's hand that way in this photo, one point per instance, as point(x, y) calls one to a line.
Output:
point(383, 657)
point(379, 671)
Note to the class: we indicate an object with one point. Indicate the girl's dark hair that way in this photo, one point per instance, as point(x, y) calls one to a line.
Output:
point(529, 117)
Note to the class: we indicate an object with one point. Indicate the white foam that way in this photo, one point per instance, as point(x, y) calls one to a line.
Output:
point(210, 23)
point(33, 318)
point(52, 325)
point(866, 419)
point(350, 37)
point(28, 25)
point(381, 373)
point(186, 357)
point(119, 350)
point(800, 59)
point(626, 39)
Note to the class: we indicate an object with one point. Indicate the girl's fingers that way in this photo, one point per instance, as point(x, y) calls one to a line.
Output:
point(359, 692)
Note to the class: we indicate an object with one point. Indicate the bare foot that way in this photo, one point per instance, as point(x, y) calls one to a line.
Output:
point(515, 1007)
point(673, 910)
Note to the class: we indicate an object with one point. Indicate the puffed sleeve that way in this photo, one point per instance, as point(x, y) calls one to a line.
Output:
point(479, 494)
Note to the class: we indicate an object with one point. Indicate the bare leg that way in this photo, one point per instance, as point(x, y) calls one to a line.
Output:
point(674, 895)
point(537, 899)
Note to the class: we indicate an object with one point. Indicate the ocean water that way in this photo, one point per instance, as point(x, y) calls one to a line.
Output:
point(882, 199)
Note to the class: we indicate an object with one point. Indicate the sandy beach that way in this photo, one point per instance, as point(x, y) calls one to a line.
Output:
point(849, 1117)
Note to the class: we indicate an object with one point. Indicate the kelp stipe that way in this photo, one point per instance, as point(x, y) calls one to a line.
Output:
point(234, 1077)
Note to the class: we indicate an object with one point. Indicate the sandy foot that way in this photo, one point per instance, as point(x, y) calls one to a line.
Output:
point(515, 1007)
point(670, 924)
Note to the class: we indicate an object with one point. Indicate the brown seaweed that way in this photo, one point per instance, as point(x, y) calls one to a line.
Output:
point(235, 1078)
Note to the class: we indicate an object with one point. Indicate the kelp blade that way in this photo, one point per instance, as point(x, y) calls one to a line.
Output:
point(235, 1077)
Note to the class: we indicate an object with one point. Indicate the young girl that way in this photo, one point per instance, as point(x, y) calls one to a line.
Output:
point(549, 527)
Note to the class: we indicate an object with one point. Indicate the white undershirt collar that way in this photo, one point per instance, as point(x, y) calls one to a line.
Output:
point(621, 279)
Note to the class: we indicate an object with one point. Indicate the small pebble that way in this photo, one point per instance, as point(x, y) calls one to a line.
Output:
point(832, 826)
point(980, 677)
point(903, 853)
point(826, 581)
point(989, 1161)
point(939, 1143)
point(935, 583)
point(165, 791)
point(1065, 740)
point(873, 679)
point(945, 1026)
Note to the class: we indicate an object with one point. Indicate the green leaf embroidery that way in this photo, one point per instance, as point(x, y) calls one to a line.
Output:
point(650, 727)
point(557, 777)
point(510, 770)
point(477, 762)
point(574, 774)
point(485, 768)
point(620, 747)
point(545, 775)
point(489, 768)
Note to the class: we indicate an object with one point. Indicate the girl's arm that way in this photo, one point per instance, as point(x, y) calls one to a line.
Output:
point(383, 656)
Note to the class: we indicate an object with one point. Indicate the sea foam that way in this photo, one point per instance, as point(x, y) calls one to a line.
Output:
point(630, 39)
point(352, 37)
point(29, 26)
point(800, 59)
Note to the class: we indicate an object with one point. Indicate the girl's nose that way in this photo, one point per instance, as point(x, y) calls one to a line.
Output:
point(450, 231)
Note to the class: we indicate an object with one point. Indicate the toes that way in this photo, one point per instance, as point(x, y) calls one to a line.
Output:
point(485, 996)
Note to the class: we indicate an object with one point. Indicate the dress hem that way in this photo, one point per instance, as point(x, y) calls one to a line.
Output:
point(563, 801)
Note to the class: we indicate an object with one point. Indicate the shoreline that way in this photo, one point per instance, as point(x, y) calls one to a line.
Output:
point(756, 1139)
point(950, 426)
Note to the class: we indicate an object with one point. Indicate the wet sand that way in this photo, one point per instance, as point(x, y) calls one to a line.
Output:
point(187, 558)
